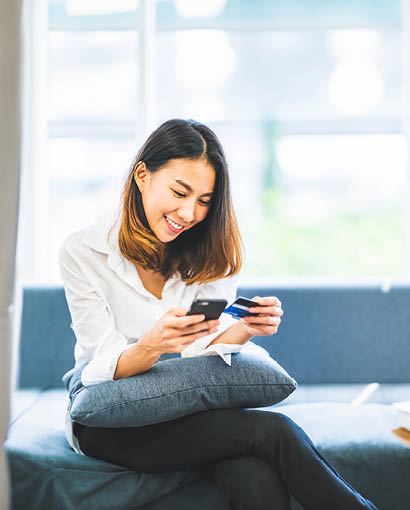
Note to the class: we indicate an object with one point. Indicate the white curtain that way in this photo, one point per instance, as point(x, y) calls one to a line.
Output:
point(10, 158)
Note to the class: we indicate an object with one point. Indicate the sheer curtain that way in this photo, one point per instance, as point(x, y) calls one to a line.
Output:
point(10, 157)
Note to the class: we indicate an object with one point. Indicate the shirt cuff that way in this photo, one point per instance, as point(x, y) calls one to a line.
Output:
point(102, 368)
point(222, 350)
point(200, 346)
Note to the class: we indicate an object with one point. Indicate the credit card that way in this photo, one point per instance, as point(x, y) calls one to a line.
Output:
point(240, 307)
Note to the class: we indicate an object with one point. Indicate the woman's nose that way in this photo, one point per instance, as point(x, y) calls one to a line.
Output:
point(187, 213)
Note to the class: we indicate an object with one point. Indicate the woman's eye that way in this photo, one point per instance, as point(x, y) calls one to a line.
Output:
point(178, 194)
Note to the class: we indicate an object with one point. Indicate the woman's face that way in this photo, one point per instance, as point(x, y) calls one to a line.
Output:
point(176, 197)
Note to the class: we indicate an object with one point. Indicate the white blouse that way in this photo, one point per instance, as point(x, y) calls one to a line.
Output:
point(111, 309)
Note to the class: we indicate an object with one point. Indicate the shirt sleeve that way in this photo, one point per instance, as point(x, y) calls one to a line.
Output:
point(225, 288)
point(92, 322)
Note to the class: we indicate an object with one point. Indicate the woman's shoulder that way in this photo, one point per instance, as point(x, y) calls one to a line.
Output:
point(92, 237)
point(72, 242)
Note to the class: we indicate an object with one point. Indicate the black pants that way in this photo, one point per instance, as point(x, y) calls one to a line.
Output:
point(257, 457)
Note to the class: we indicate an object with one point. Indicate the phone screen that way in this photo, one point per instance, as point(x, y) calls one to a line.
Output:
point(211, 308)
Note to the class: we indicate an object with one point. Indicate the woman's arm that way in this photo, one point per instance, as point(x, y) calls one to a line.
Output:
point(92, 322)
point(171, 333)
point(138, 359)
point(233, 335)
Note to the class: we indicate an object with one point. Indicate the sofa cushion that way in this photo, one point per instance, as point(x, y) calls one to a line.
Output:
point(176, 387)
point(314, 342)
point(347, 393)
point(359, 442)
point(46, 473)
point(319, 345)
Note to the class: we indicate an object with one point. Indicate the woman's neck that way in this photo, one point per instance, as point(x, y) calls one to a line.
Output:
point(153, 281)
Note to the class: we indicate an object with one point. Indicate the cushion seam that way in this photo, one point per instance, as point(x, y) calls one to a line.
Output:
point(181, 391)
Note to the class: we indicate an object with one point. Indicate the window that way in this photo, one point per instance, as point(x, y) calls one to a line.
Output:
point(304, 95)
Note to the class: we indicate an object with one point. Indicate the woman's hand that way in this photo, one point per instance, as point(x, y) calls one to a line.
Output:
point(175, 330)
point(268, 319)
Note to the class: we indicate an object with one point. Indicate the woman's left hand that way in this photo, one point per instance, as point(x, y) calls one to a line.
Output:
point(268, 319)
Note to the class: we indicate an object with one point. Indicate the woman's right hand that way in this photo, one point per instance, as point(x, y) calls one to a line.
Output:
point(175, 330)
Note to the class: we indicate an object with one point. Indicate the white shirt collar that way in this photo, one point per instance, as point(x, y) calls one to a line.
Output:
point(96, 236)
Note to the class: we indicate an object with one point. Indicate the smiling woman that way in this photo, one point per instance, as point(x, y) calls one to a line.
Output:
point(178, 228)
point(177, 213)
point(179, 210)
point(182, 209)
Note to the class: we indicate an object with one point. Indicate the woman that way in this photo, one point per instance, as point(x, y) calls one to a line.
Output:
point(177, 239)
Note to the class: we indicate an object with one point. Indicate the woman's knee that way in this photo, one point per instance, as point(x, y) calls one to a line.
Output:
point(272, 425)
point(250, 482)
point(244, 470)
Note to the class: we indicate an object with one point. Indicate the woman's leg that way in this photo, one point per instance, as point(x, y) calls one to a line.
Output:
point(249, 483)
point(217, 434)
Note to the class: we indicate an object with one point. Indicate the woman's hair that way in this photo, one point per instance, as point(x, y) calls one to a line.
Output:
point(211, 249)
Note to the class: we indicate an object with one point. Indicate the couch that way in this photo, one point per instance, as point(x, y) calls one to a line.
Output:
point(334, 340)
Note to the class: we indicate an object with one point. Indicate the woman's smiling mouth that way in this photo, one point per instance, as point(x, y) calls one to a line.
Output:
point(174, 227)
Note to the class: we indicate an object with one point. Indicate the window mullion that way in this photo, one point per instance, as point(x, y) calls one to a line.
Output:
point(405, 4)
point(146, 64)
point(33, 252)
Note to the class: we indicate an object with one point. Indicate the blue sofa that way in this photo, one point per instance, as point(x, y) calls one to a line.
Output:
point(334, 340)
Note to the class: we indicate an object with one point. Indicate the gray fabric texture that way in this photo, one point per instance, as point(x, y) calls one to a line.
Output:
point(177, 387)
point(334, 334)
point(328, 335)
point(316, 344)
point(46, 473)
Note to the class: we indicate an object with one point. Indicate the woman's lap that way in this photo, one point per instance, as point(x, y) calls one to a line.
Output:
point(217, 442)
point(186, 442)
point(213, 437)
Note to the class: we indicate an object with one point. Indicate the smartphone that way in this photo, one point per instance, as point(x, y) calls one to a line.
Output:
point(211, 308)
point(239, 308)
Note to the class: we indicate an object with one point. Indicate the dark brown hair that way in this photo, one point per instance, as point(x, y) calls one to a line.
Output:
point(211, 249)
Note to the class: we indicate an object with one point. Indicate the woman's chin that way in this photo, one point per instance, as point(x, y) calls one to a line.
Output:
point(165, 238)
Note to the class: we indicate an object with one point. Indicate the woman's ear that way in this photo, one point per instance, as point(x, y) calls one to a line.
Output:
point(140, 174)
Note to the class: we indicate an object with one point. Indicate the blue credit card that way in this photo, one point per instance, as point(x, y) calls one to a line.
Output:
point(240, 307)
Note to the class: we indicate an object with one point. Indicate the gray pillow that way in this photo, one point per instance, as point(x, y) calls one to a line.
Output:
point(176, 387)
